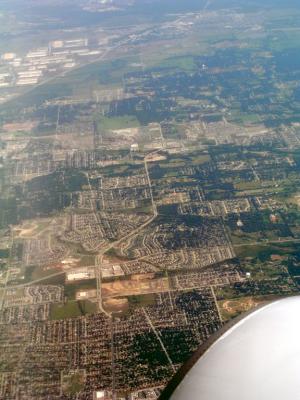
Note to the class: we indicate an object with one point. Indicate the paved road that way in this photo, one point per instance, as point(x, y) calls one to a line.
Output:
point(159, 339)
point(26, 284)
point(99, 259)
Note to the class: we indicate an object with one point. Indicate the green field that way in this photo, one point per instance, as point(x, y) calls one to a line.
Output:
point(73, 382)
point(126, 121)
point(72, 309)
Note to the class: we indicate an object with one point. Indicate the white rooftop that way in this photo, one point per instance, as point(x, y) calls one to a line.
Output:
point(257, 359)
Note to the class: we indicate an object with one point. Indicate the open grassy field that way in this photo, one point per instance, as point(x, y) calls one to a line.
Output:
point(265, 250)
point(72, 309)
point(126, 121)
point(141, 300)
point(73, 382)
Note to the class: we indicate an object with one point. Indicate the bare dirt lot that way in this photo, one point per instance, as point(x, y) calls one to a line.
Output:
point(114, 305)
point(233, 307)
point(134, 287)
